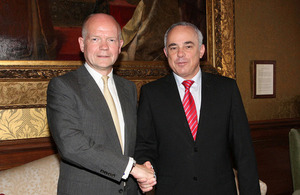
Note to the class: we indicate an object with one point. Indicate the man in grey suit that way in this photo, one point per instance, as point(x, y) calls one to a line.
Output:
point(92, 118)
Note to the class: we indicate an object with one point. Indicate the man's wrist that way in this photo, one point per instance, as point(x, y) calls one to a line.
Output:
point(134, 163)
point(128, 168)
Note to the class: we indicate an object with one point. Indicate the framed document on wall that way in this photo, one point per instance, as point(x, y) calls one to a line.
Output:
point(264, 79)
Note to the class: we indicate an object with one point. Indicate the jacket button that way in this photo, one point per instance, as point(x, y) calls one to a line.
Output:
point(195, 178)
point(195, 149)
point(120, 191)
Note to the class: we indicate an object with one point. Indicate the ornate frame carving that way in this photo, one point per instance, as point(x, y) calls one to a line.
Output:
point(221, 36)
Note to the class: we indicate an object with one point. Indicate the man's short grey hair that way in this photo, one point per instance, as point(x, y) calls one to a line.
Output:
point(84, 30)
point(200, 36)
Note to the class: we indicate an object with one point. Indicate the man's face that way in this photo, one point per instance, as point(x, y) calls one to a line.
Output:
point(183, 52)
point(101, 45)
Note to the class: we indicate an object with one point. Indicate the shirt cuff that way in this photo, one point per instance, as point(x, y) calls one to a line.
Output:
point(128, 168)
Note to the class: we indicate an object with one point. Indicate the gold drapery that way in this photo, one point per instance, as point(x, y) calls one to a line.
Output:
point(143, 34)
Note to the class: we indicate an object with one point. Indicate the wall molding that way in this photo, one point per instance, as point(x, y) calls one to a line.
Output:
point(14, 153)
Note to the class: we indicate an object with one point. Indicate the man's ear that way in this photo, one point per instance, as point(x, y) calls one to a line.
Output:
point(202, 50)
point(166, 52)
point(81, 44)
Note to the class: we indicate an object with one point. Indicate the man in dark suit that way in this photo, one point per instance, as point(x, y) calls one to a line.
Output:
point(192, 125)
point(92, 118)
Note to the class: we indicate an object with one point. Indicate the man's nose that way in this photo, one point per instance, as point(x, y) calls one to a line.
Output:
point(180, 52)
point(103, 45)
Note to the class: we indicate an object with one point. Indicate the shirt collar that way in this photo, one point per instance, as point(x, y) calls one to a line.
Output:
point(96, 75)
point(197, 79)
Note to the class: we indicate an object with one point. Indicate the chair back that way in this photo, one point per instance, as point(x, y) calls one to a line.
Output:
point(294, 143)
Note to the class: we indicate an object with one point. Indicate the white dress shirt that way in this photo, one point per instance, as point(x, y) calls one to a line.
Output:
point(113, 91)
point(195, 89)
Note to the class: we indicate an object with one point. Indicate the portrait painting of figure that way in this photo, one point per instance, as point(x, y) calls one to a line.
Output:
point(48, 29)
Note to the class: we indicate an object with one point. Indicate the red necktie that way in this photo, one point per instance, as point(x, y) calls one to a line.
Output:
point(190, 108)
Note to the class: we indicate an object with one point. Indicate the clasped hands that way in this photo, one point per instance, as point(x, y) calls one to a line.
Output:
point(145, 176)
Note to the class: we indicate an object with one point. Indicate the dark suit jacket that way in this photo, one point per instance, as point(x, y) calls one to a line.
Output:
point(83, 130)
point(204, 166)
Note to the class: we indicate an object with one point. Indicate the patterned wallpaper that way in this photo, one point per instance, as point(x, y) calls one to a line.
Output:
point(23, 123)
point(22, 110)
point(22, 93)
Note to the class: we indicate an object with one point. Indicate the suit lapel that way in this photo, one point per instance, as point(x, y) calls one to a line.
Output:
point(171, 91)
point(206, 103)
point(95, 97)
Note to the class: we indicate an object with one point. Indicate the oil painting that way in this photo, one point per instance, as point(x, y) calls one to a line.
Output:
point(49, 29)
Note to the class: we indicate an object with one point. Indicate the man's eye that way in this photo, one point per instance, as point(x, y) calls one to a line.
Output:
point(189, 46)
point(94, 39)
point(111, 40)
point(172, 48)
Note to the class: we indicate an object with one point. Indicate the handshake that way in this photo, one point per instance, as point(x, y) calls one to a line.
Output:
point(145, 176)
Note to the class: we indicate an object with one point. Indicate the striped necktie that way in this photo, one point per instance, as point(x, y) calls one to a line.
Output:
point(190, 108)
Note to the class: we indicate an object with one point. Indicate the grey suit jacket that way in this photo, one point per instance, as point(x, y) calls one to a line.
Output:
point(83, 130)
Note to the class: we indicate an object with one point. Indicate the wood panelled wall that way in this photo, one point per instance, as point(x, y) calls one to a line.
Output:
point(271, 144)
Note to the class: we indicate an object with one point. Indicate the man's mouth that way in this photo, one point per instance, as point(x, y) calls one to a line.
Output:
point(102, 56)
point(180, 62)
